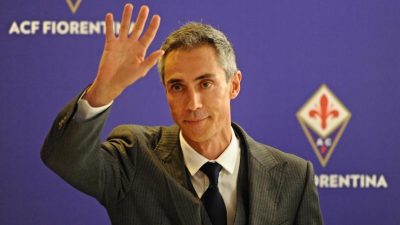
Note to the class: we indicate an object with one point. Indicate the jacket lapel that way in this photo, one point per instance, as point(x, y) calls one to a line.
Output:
point(169, 152)
point(265, 177)
point(188, 207)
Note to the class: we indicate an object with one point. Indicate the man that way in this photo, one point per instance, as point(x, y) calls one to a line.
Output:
point(203, 170)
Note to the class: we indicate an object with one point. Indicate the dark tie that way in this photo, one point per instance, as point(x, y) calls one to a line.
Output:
point(212, 199)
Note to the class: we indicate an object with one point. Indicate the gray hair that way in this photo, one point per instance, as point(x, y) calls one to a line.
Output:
point(193, 35)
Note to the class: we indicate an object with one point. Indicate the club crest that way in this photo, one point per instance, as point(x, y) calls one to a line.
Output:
point(323, 119)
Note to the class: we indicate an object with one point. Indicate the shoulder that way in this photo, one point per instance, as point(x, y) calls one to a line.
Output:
point(268, 156)
point(132, 131)
point(294, 165)
point(131, 134)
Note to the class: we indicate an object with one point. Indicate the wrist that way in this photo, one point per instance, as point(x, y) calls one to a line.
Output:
point(97, 96)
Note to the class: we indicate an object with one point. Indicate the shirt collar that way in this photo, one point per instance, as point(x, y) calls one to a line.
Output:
point(194, 160)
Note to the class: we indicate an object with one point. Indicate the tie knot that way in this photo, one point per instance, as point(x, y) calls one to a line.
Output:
point(212, 171)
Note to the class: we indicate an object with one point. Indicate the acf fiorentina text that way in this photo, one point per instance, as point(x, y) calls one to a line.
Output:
point(47, 27)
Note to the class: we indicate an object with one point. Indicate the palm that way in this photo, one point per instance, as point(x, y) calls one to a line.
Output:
point(122, 62)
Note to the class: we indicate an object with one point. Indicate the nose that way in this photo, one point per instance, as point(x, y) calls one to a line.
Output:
point(193, 100)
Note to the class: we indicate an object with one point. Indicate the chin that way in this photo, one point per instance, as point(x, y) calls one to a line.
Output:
point(196, 135)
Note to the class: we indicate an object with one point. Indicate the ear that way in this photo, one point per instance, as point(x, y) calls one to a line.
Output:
point(235, 84)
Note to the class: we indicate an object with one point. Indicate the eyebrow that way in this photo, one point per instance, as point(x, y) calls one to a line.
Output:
point(201, 77)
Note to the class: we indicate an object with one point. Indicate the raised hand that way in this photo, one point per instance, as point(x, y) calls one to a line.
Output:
point(124, 58)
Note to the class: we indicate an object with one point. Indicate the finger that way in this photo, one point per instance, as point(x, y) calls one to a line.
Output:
point(140, 22)
point(110, 35)
point(126, 21)
point(152, 59)
point(151, 31)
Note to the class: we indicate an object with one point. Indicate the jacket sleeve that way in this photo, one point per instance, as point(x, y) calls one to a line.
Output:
point(309, 212)
point(72, 149)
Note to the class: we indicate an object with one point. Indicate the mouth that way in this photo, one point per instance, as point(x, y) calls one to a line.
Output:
point(195, 121)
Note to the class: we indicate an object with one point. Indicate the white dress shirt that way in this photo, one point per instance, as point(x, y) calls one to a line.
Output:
point(85, 111)
point(227, 183)
point(229, 160)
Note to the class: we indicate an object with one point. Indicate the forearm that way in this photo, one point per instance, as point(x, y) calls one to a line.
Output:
point(72, 150)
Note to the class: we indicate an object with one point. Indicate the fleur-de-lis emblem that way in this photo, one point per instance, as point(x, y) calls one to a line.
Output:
point(323, 112)
point(323, 119)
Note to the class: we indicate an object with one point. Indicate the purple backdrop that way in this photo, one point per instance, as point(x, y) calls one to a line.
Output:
point(285, 49)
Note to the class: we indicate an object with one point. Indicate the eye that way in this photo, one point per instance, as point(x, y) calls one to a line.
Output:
point(206, 84)
point(176, 87)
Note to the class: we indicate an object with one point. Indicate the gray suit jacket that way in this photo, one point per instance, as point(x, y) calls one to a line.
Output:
point(139, 176)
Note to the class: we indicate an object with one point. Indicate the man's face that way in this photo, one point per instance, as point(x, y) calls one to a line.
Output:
point(199, 94)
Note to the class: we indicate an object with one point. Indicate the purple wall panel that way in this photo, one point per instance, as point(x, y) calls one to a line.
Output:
point(286, 50)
